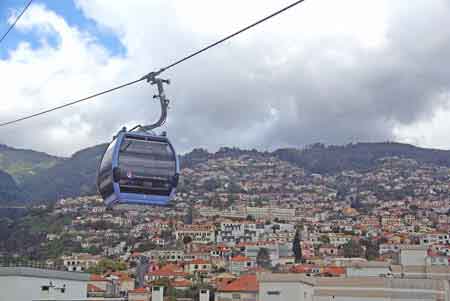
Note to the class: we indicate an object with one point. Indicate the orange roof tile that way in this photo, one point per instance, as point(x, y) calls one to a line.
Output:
point(246, 283)
point(169, 270)
point(181, 283)
point(221, 283)
point(301, 269)
point(95, 277)
point(94, 289)
point(139, 290)
point(199, 261)
point(122, 276)
point(334, 270)
point(240, 258)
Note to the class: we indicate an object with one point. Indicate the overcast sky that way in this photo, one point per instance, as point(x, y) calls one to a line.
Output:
point(326, 71)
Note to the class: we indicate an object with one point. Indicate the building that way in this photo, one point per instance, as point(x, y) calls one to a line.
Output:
point(240, 264)
point(166, 255)
point(139, 294)
point(243, 288)
point(198, 266)
point(297, 287)
point(412, 255)
point(236, 232)
point(435, 238)
point(198, 233)
point(369, 268)
point(22, 283)
point(328, 250)
point(80, 262)
point(270, 213)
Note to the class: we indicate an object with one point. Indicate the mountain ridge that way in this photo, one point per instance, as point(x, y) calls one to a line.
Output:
point(75, 176)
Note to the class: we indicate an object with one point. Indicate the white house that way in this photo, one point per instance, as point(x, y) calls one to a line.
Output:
point(22, 283)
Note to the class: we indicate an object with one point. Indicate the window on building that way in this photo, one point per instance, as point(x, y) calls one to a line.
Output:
point(273, 293)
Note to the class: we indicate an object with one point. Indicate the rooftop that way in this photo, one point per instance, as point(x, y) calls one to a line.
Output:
point(245, 283)
point(43, 273)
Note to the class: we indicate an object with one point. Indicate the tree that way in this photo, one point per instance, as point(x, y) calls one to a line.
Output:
point(166, 234)
point(324, 239)
point(356, 203)
point(211, 184)
point(413, 208)
point(263, 258)
point(146, 246)
point(297, 248)
point(353, 249)
point(189, 216)
point(234, 187)
point(187, 239)
point(107, 264)
point(372, 249)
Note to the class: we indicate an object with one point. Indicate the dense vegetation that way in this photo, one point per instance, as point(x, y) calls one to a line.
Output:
point(9, 191)
point(23, 163)
point(72, 177)
point(38, 176)
point(319, 158)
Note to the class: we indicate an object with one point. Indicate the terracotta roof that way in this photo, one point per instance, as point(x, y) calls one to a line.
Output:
point(94, 289)
point(122, 276)
point(246, 283)
point(337, 271)
point(223, 282)
point(302, 268)
point(95, 277)
point(199, 261)
point(181, 283)
point(139, 290)
point(240, 258)
point(169, 270)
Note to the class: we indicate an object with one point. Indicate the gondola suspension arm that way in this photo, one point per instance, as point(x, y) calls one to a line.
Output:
point(164, 102)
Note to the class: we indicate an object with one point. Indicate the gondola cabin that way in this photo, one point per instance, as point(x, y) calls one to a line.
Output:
point(138, 168)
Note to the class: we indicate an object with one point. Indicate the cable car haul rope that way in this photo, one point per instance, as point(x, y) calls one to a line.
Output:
point(140, 166)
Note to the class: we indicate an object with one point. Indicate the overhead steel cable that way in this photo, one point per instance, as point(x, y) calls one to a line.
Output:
point(232, 35)
point(16, 20)
point(71, 103)
point(153, 74)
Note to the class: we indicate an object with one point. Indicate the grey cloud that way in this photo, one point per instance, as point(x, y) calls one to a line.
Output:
point(331, 90)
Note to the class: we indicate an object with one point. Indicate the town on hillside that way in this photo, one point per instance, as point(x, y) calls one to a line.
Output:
point(248, 227)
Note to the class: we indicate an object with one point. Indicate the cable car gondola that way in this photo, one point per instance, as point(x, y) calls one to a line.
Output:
point(140, 167)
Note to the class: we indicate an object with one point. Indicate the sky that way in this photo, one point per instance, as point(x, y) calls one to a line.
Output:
point(327, 71)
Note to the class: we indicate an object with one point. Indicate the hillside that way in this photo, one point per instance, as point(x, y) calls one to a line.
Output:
point(71, 177)
point(9, 191)
point(23, 163)
point(53, 178)
point(319, 158)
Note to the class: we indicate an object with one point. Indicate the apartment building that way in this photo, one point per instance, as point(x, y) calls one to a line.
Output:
point(297, 287)
point(23, 283)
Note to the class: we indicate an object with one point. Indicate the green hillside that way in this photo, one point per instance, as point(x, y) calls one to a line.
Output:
point(23, 163)
point(70, 177)
point(9, 191)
